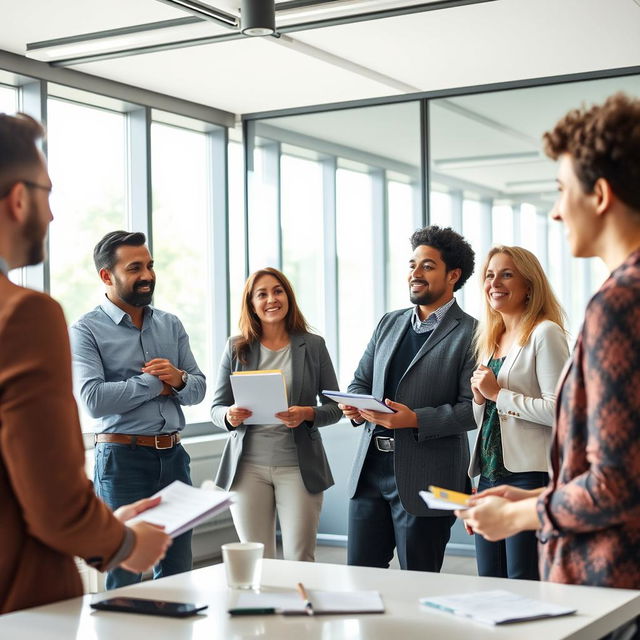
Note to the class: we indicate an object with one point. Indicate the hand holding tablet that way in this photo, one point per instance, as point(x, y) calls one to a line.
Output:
point(358, 400)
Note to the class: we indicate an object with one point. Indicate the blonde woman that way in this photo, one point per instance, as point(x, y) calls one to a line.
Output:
point(522, 346)
point(279, 467)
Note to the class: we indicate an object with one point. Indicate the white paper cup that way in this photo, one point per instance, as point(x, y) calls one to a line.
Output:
point(243, 564)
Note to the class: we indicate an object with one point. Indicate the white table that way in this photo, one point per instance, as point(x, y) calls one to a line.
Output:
point(599, 610)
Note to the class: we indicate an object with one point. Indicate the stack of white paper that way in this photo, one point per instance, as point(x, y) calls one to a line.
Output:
point(264, 393)
point(184, 507)
point(496, 607)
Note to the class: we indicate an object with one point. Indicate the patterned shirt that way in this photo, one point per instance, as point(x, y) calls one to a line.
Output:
point(432, 320)
point(590, 513)
point(491, 459)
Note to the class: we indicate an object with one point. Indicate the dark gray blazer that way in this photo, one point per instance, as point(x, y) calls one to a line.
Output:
point(311, 372)
point(436, 386)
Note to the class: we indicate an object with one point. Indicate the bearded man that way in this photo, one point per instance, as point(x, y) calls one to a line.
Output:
point(133, 370)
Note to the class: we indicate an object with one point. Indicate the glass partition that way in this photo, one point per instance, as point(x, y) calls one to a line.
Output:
point(486, 148)
point(333, 199)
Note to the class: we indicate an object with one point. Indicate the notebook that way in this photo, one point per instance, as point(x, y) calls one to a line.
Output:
point(324, 602)
point(496, 607)
point(264, 393)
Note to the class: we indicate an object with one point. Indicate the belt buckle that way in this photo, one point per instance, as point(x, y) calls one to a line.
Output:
point(389, 441)
point(163, 435)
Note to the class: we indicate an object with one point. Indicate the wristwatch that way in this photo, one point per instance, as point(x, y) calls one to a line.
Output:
point(184, 377)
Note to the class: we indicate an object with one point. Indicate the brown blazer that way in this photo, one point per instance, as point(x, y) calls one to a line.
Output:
point(48, 511)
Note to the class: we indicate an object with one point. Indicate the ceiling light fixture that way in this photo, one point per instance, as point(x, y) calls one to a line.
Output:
point(258, 17)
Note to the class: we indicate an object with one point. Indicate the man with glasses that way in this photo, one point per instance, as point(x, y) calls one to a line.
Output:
point(135, 370)
point(48, 510)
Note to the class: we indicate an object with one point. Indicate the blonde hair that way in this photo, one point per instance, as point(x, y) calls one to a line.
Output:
point(542, 303)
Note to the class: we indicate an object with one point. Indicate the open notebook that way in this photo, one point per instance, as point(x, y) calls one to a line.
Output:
point(324, 602)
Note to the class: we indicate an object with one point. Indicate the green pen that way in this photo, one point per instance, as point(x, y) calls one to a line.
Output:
point(252, 611)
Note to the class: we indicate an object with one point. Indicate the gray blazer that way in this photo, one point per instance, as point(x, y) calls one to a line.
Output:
point(436, 386)
point(311, 372)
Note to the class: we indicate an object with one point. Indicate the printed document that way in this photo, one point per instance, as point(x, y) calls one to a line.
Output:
point(184, 507)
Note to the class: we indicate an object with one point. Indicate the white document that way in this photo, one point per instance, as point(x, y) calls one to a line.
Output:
point(496, 607)
point(264, 393)
point(184, 507)
point(439, 503)
point(323, 602)
point(358, 400)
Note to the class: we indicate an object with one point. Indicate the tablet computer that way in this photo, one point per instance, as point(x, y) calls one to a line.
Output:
point(358, 400)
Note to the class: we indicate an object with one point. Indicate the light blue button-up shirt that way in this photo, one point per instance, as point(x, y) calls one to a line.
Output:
point(109, 352)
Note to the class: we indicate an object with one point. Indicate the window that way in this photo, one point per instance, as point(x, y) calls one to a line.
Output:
point(87, 164)
point(180, 177)
point(302, 234)
point(9, 105)
point(355, 259)
point(237, 254)
point(8, 99)
point(400, 226)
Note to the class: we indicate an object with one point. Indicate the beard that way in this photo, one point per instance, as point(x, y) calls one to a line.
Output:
point(134, 296)
point(34, 235)
point(427, 297)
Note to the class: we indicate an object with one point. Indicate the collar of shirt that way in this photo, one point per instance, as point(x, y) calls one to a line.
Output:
point(432, 320)
point(117, 314)
point(3, 266)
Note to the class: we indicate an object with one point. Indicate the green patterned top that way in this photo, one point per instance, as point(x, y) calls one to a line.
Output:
point(491, 461)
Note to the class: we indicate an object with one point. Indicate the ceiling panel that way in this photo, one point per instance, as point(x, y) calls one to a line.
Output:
point(252, 74)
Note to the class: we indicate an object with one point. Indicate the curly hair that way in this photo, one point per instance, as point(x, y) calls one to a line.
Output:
point(456, 251)
point(604, 142)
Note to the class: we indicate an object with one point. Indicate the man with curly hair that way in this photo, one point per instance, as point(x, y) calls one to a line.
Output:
point(588, 518)
point(419, 360)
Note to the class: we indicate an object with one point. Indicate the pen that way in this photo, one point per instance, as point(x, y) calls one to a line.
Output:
point(305, 596)
point(252, 611)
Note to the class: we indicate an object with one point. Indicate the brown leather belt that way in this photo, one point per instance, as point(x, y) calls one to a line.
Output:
point(161, 441)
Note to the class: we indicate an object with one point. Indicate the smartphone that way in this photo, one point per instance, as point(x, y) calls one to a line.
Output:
point(151, 607)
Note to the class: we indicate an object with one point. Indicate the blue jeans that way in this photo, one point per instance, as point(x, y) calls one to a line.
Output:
point(126, 473)
point(378, 523)
point(517, 556)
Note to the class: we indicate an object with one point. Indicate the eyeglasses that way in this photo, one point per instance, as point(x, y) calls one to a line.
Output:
point(29, 185)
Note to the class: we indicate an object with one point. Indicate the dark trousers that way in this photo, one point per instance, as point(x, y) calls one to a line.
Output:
point(378, 523)
point(517, 556)
point(124, 474)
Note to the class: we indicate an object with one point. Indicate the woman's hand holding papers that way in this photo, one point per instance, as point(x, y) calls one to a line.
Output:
point(500, 512)
point(237, 415)
point(294, 416)
point(403, 418)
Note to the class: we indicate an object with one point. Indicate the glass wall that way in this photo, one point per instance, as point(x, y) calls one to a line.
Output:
point(8, 99)
point(89, 197)
point(112, 168)
point(181, 233)
point(486, 153)
point(334, 198)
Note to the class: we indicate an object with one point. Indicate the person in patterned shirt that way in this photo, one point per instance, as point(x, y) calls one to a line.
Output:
point(588, 518)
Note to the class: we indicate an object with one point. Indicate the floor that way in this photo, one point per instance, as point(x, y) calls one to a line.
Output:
point(452, 564)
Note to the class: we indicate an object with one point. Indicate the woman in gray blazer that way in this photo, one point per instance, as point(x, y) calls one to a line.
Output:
point(524, 345)
point(279, 467)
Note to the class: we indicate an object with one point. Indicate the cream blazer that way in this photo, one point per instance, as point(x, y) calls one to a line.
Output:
point(527, 400)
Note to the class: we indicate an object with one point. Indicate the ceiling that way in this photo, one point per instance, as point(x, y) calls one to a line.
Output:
point(458, 46)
